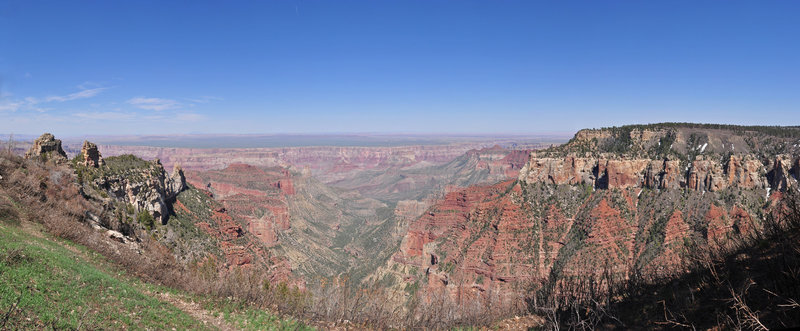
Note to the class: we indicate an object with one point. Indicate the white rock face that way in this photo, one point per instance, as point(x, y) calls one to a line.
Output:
point(147, 189)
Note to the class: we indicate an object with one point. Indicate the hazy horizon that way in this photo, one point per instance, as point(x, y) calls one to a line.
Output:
point(234, 141)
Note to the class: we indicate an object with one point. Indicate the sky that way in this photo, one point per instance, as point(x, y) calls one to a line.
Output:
point(511, 67)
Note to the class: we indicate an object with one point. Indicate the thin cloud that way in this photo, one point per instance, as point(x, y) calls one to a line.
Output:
point(106, 116)
point(39, 109)
point(10, 106)
point(156, 104)
point(190, 117)
point(203, 99)
point(89, 85)
point(33, 104)
point(174, 118)
point(83, 94)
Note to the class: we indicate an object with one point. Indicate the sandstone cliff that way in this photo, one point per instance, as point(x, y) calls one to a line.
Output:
point(701, 174)
point(600, 207)
point(669, 156)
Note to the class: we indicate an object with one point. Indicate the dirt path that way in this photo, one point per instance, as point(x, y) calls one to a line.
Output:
point(196, 311)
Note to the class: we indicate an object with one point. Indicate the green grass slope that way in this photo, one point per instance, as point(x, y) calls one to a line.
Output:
point(48, 283)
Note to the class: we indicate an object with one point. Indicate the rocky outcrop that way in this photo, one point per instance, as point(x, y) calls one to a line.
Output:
point(584, 212)
point(699, 157)
point(621, 173)
point(590, 134)
point(663, 174)
point(175, 183)
point(570, 170)
point(745, 171)
point(706, 175)
point(146, 188)
point(47, 147)
point(90, 154)
point(782, 175)
point(702, 174)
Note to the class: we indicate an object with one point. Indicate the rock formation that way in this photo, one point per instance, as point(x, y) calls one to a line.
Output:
point(701, 174)
point(47, 147)
point(781, 176)
point(91, 156)
point(146, 186)
point(176, 182)
point(611, 204)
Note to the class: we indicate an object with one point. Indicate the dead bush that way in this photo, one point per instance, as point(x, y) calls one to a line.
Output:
point(48, 194)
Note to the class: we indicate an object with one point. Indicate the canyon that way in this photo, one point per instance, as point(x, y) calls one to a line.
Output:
point(610, 206)
point(484, 225)
point(470, 219)
point(299, 213)
point(348, 226)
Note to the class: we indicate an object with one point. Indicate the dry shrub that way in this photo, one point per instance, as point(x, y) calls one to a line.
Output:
point(8, 212)
point(751, 283)
point(338, 302)
point(47, 193)
point(375, 306)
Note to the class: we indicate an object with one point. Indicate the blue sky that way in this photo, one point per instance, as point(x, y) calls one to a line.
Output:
point(165, 67)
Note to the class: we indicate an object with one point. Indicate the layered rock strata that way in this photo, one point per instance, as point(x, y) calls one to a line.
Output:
point(607, 207)
point(701, 174)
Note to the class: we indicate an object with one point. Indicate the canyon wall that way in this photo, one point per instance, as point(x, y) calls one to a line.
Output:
point(352, 224)
point(609, 206)
point(702, 174)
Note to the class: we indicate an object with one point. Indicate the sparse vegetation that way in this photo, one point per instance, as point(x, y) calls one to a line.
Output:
point(144, 218)
point(752, 285)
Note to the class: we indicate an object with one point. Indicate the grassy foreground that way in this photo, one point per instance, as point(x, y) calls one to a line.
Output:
point(48, 283)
